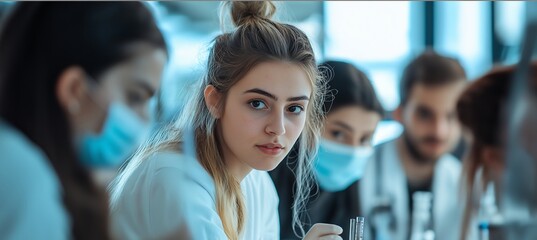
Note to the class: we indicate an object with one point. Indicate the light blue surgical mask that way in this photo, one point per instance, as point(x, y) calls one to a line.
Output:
point(122, 132)
point(337, 166)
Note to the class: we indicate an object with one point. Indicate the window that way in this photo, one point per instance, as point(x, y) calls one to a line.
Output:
point(377, 37)
point(463, 30)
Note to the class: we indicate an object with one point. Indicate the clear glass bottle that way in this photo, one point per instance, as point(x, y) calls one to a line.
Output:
point(356, 231)
point(422, 227)
point(488, 213)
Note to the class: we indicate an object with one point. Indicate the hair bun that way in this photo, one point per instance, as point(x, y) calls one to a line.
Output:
point(243, 12)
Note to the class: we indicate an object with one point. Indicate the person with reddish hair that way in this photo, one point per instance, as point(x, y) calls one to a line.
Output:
point(482, 111)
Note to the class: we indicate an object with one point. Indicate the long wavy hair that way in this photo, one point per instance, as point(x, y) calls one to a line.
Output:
point(256, 39)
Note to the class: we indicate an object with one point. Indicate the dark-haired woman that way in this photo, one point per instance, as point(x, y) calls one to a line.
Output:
point(75, 79)
point(352, 114)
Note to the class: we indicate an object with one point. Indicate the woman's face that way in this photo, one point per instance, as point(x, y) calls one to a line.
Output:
point(351, 125)
point(131, 83)
point(263, 116)
point(134, 81)
point(110, 115)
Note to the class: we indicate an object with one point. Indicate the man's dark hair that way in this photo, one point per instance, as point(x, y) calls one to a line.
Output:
point(430, 69)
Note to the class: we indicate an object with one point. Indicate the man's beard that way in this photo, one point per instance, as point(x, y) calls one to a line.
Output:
point(414, 151)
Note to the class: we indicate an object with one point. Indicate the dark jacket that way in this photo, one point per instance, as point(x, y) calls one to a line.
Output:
point(323, 207)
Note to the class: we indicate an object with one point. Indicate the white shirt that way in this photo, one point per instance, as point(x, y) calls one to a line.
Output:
point(169, 189)
point(447, 203)
point(31, 205)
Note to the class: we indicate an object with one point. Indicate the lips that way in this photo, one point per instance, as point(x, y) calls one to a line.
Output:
point(270, 148)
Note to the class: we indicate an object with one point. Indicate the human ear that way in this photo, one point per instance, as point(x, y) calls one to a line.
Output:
point(70, 89)
point(212, 99)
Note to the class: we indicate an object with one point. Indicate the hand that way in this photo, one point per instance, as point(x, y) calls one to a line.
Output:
point(323, 231)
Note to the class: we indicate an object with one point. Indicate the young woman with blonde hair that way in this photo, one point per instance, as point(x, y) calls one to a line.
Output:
point(262, 93)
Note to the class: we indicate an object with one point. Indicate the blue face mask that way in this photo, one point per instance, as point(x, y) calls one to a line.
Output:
point(121, 134)
point(337, 166)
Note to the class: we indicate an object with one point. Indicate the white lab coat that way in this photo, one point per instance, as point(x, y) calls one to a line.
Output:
point(31, 203)
point(447, 205)
point(169, 190)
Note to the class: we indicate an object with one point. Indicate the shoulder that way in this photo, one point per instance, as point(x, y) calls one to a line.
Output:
point(177, 174)
point(166, 191)
point(162, 178)
point(170, 176)
point(167, 168)
point(181, 182)
point(387, 146)
point(23, 163)
point(30, 189)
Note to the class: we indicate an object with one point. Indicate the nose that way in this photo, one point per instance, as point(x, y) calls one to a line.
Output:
point(355, 143)
point(441, 127)
point(358, 143)
point(276, 124)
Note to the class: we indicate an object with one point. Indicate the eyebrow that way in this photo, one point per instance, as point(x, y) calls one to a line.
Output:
point(423, 107)
point(344, 125)
point(368, 134)
point(267, 94)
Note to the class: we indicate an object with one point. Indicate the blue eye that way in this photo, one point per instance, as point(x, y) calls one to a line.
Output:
point(296, 109)
point(257, 104)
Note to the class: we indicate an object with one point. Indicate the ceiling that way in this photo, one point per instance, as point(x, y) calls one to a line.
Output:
point(208, 10)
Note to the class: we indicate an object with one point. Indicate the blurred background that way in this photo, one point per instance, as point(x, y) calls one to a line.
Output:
point(378, 37)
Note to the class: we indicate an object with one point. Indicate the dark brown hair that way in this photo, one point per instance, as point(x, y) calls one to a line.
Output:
point(481, 111)
point(40, 40)
point(430, 69)
point(350, 87)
